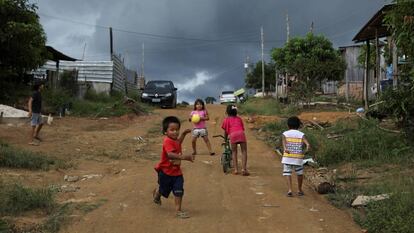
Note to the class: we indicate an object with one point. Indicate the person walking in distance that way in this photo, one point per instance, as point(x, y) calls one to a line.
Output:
point(35, 113)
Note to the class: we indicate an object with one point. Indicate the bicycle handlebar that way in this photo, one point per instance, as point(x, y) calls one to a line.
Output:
point(219, 135)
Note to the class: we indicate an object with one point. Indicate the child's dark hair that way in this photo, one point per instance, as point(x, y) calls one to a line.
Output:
point(231, 110)
point(168, 120)
point(199, 101)
point(293, 122)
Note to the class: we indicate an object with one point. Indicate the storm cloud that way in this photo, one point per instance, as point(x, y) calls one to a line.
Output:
point(200, 45)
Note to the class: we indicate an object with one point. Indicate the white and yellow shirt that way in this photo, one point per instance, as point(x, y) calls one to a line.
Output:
point(294, 144)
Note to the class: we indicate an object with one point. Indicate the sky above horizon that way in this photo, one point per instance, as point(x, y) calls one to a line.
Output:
point(201, 45)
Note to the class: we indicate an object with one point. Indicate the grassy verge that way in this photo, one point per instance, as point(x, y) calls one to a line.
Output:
point(17, 158)
point(16, 199)
point(94, 104)
point(267, 107)
point(363, 144)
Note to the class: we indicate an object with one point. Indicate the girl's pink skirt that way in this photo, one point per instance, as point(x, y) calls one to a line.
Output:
point(237, 137)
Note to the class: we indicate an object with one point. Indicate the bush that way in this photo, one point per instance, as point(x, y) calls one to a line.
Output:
point(55, 99)
point(15, 199)
point(16, 158)
point(365, 143)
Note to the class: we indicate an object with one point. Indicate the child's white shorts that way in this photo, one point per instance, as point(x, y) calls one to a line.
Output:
point(289, 168)
point(199, 133)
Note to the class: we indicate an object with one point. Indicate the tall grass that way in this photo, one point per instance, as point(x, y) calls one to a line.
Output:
point(267, 107)
point(17, 158)
point(15, 199)
point(386, 216)
point(362, 140)
point(365, 142)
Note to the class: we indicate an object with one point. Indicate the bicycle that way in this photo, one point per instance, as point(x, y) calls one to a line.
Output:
point(225, 158)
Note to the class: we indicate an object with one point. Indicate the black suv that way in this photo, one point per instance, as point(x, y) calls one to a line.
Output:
point(160, 92)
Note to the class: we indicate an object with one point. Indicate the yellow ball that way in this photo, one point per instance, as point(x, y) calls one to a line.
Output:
point(195, 118)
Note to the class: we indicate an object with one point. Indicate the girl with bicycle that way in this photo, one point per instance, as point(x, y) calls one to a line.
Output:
point(234, 129)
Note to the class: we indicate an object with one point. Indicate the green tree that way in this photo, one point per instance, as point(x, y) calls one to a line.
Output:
point(311, 60)
point(22, 39)
point(254, 78)
point(400, 102)
point(210, 100)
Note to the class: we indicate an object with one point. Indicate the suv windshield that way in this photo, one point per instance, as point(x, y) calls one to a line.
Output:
point(227, 92)
point(159, 85)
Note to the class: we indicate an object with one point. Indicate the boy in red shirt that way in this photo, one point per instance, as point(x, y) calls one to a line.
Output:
point(170, 177)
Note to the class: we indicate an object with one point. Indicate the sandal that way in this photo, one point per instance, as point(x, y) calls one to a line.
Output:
point(182, 215)
point(212, 153)
point(245, 173)
point(34, 143)
point(235, 172)
point(156, 197)
point(301, 193)
point(289, 194)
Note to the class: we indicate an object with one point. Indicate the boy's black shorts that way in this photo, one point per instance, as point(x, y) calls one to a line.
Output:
point(170, 183)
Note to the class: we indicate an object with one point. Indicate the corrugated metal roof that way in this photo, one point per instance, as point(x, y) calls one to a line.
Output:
point(375, 26)
point(90, 71)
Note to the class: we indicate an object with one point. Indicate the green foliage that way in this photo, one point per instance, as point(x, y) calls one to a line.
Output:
point(400, 21)
point(254, 78)
point(372, 53)
point(57, 219)
point(210, 100)
point(91, 95)
point(54, 99)
point(15, 199)
point(69, 83)
point(22, 39)
point(391, 215)
point(361, 141)
point(4, 226)
point(360, 144)
point(386, 216)
point(399, 103)
point(17, 158)
point(311, 59)
point(267, 107)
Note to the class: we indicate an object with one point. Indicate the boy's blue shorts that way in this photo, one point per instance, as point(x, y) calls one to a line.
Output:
point(170, 183)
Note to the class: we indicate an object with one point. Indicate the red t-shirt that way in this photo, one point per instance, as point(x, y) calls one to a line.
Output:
point(169, 145)
point(232, 124)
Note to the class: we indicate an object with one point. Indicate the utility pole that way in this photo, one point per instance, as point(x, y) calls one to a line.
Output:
point(142, 61)
point(287, 27)
point(311, 28)
point(111, 44)
point(285, 79)
point(366, 76)
point(263, 73)
point(83, 54)
point(246, 66)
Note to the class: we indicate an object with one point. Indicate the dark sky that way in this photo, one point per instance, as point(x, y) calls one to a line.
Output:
point(200, 45)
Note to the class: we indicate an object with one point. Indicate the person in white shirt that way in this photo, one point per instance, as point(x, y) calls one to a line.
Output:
point(293, 153)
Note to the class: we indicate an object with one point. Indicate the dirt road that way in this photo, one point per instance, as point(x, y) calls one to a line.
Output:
point(216, 202)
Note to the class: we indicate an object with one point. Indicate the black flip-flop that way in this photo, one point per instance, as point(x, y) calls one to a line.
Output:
point(289, 194)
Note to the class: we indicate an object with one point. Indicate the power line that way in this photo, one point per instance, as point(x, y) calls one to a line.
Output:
point(137, 33)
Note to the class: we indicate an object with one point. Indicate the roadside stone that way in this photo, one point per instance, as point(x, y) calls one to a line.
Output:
point(71, 178)
point(87, 177)
point(69, 188)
